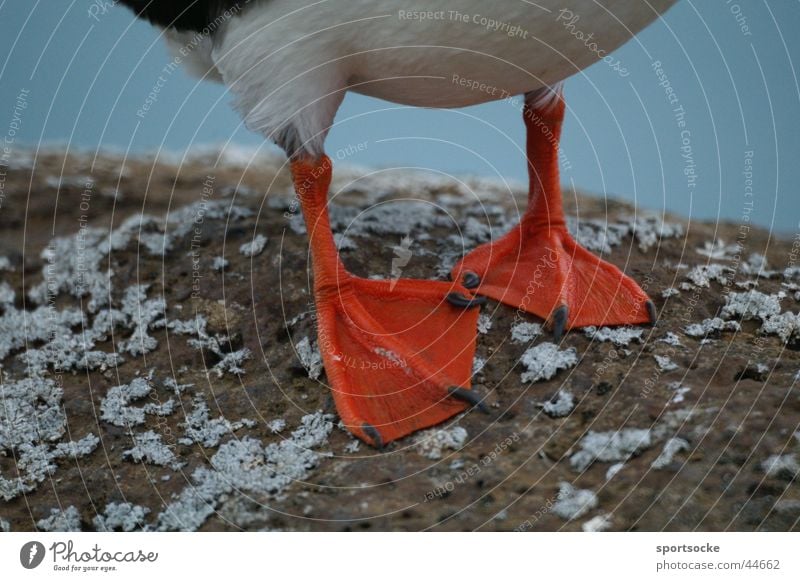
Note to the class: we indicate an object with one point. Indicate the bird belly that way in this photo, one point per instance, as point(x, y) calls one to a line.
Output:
point(454, 54)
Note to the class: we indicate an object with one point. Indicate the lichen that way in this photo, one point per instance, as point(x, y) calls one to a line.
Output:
point(600, 523)
point(432, 443)
point(543, 361)
point(671, 338)
point(219, 263)
point(560, 405)
point(610, 447)
point(619, 336)
point(121, 516)
point(478, 363)
point(525, 332)
point(751, 305)
point(207, 432)
point(254, 247)
point(116, 407)
point(32, 425)
point(61, 521)
point(572, 502)
point(246, 466)
point(704, 274)
point(711, 327)
point(782, 466)
point(671, 447)
point(665, 363)
point(148, 447)
point(484, 323)
point(310, 357)
point(680, 392)
point(785, 325)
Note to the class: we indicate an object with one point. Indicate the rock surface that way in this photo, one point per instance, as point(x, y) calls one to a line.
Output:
point(160, 369)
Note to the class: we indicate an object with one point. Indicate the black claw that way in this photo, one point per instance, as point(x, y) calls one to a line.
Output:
point(468, 396)
point(374, 435)
point(470, 280)
point(651, 310)
point(459, 300)
point(559, 322)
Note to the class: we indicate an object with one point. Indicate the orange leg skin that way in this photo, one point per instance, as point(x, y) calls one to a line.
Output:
point(398, 357)
point(538, 267)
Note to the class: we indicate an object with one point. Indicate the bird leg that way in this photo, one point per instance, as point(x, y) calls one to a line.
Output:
point(538, 267)
point(398, 353)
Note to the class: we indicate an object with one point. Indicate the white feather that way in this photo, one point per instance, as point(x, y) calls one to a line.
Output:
point(291, 61)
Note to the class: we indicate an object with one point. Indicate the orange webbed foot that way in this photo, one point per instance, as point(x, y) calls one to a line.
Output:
point(398, 354)
point(543, 271)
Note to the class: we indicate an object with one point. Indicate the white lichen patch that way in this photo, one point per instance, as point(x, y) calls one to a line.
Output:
point(671, 338)
point(310, 357)
point(525, 332)
point(572, 502)
point(785, 325)
point(207, 432)
point(254, 247)
point(142, 314)
point(406, 218)
point(247, 467)
point(7, 295)
point(148, 447)
point(711, 327)
point(116, 407)
point(671, 447)
point(616, 446)
point(32, 425)
point(756, 265)
point(560, 405)
point(432, 443)
point(782, 466)
point(601, 235)
point(121, 516)
point(5, 526)
point(670, 292)
point(543, 361)
point(277, 425)
point(619, 336)
point(613, 470)
point(61, 521)
point(484, 323)
point(751, 305)
point(344, 242)
point(704, 274)
point(765, 308)
point(219, 263)
point(352, 446)
point(718, 250)
point(680, 392)
point(231, 362)
point(478, 363)
point(598, 524)
point(41, 324)
point(665, 363)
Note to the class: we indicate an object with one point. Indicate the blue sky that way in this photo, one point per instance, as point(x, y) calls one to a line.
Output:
point(86, 78)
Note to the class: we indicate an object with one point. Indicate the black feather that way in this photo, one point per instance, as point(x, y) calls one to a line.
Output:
point(196, 15)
